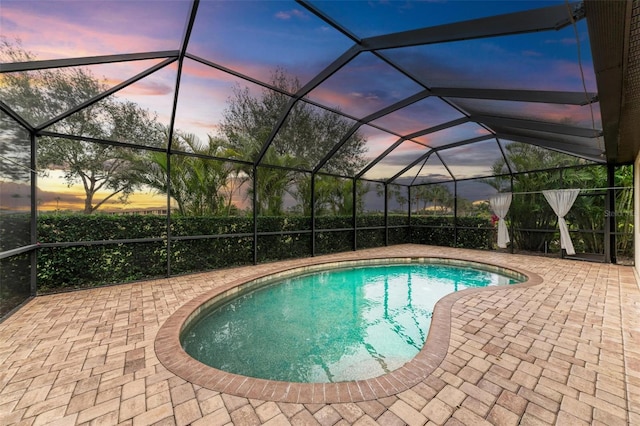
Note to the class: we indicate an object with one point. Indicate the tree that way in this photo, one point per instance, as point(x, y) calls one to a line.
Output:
point(397, 192)
point(333, 195)
point(14, 140)
point(197, 183)
point(42, 95)
point(624, 210)
point(436, 196)
point(271, 183)
point(15, 151)
point(306, 136)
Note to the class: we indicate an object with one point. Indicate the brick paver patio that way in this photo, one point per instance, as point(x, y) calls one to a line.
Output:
point(565, 351)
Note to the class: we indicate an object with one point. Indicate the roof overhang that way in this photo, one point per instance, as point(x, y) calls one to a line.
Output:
point(614, 32)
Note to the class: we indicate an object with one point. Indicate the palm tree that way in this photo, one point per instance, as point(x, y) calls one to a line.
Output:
point(196, 183)
point(274, 178)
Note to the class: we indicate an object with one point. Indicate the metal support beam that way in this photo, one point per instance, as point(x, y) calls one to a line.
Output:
point(274, 131)
point(409, 209)
point(464, 142)
point(354, 213)
point(455, 214)
point(33, 257)
point(610, 217)
point(16, 117)
point(111, 91)
point(332, 68)
point(379, 158)
point(255, 214)
point(376, 115)
point(89, 60)
point(543, 19)
point(168, 221)
point(419, 133)
point(591, 153)
point(183, 50)
point(313, 214)
point(386, 214)
point(425, 156)
point(507, 123)
point(543, 96)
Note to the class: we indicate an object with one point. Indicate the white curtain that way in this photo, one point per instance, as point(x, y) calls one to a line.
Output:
point(500, 205)
point(561, 201)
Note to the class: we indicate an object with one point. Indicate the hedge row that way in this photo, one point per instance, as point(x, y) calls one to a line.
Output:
point(90, 265)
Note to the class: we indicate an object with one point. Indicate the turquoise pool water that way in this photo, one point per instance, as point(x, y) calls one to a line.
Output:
point(330, 326)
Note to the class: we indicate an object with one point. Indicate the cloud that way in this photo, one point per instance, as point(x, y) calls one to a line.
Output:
point(286, 15)
point(58, 32)
point(150, 88)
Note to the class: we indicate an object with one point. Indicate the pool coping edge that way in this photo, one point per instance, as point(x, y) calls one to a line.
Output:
point(169, 350)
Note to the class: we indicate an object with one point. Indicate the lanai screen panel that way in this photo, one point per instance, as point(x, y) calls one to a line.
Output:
point(523, 157)
point(43, 96)
point(258, 38)
point(365, 85)
point(309, 133)
point(430, 170)
point(375, 143)
point(452, 135)
point(473, 197)
point(72, 29)
point(15, 184)
point(586, 116)
point(473, 160)
point(394, 162)
point(423, 114)
point(205, 93)
point(138, 114)
point(238, 112)
point(545, 60)
point(391, 17)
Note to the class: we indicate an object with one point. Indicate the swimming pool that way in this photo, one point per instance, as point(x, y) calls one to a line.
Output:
point(171, 355)
point(332, 325)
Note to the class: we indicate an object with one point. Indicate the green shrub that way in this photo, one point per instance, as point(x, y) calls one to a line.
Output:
point(200, 245)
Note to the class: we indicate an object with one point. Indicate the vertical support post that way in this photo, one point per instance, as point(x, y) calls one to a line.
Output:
point(511, 227)
point(168, 243)
point(255, 214)
point(313, 214)
point(455, 213)
point(34, 215)
point(409, 213)
point(562, 252)
point(610, 217)
point(386, 214)
point(354, 214)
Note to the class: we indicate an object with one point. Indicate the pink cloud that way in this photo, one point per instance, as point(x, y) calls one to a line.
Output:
point(571, 70)
point(258, 71)
point(150, 88)
point(353, 103)
point(49, 36)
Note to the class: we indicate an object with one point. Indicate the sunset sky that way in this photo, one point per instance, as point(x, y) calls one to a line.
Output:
point(255, 38)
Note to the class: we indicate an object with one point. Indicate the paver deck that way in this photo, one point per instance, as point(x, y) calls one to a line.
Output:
point(565, 351)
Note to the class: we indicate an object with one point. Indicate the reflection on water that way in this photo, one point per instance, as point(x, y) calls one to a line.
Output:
point(330, 326)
